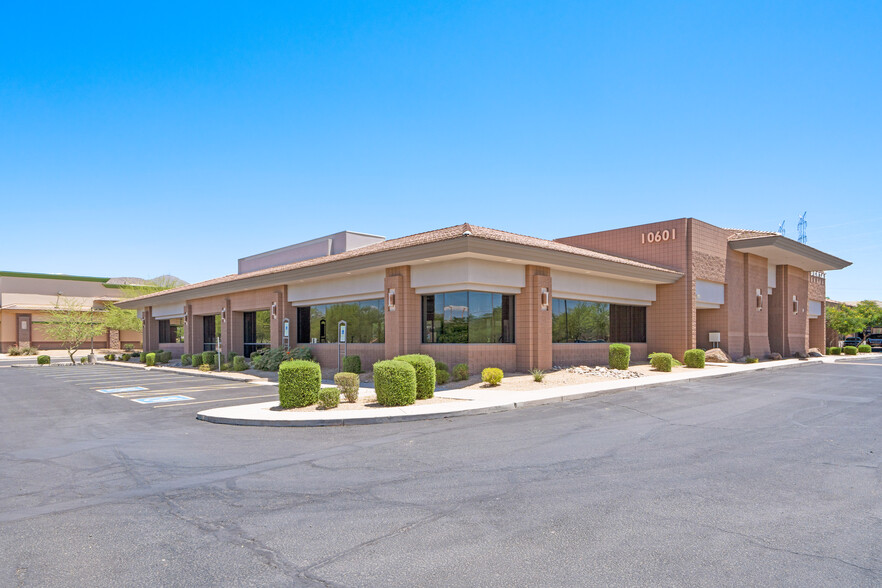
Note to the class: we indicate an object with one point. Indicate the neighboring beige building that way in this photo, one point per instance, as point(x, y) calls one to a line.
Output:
point(27, 298)
point(491, 298)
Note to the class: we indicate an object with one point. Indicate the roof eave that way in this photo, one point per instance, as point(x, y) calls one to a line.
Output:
point(815, 258)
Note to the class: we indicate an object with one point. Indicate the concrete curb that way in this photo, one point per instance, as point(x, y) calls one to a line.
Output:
point(227, 415)
point(244, 378)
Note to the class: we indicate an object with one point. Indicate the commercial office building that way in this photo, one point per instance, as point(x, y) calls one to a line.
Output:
point(488, 297)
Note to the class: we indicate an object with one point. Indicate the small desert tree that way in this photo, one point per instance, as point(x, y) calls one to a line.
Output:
point(73, 322)
point(847, 320)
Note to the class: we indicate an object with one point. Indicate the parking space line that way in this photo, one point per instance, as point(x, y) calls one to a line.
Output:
point(189, 389)
point(158, 399)
point(219, 400)
point(118, 390)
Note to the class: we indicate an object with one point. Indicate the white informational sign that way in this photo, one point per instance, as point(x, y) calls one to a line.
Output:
point(343, 333)
point(286, 328)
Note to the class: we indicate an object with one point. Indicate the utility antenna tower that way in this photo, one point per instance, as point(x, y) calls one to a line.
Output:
point(801, 228)
point(781, 227)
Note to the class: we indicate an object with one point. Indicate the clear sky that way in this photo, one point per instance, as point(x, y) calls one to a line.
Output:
point(143, 139)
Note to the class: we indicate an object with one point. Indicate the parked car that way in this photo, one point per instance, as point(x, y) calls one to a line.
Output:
point(874, 340)
point(853, 341)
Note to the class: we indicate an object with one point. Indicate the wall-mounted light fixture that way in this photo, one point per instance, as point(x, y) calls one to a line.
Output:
point(274, 310)
point(224, 315)
point(391, 299)
point(544, 299)
point(795, 304)
point(759, 299)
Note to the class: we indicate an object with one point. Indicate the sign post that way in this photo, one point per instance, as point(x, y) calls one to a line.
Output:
point(341, 341)
point(286, 329)
point(219, 358)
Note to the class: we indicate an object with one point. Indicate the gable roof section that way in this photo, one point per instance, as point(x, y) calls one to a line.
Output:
point(456, 233)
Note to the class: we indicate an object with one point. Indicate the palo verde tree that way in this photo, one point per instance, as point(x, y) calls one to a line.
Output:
point(73, 322)
point(847, 320)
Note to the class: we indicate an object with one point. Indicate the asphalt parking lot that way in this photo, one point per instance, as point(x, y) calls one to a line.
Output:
point(763, 479)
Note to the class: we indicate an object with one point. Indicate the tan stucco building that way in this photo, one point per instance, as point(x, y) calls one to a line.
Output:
point(27, 298)
point(491, 298)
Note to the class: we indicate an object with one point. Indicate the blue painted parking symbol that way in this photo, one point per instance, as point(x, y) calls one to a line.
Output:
point(158, 399)
point(115, 390)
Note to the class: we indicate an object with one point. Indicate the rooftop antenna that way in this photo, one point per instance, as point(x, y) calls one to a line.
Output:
point(781, 227)
point(801, 228)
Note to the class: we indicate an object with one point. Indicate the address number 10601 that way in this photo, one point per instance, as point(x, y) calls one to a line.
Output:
point(658, 236)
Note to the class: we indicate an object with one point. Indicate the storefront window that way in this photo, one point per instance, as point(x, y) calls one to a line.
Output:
point(578, 321)
point(365, 322)
point(468, 317)
point(171, 330)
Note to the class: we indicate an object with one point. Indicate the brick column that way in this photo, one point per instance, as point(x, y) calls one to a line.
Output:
point(403, 324)
point(532, 323)
point(190, 337)
point(276, 323)
point(789, 331)
point(151, 331)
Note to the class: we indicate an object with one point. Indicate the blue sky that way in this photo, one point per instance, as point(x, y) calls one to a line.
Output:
point(177, 139)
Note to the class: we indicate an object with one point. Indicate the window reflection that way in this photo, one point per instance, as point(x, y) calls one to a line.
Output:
point(365, 321)
point(579, 321)
point(468, 317)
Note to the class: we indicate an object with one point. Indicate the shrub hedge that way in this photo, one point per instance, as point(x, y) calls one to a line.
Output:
point(352, 364)
point(164, 356)
point(850, 350)
point(694, 358)
point(425, 373)
point(440, 365)
point(441, 376)
point(619, 356)
point(865, 349)
point(109, 357)
point(209, 357)
point(329, 398)
point(662, 361)
point(395, 382)
point(125, 357)
point(299, 383)
point(186, 359)
point(43, 360)
point(492, 376)
point(347, 385)
point(460, 372)
point(836, 351)
point(239, 364)
point(142, 357)
point(151, 359)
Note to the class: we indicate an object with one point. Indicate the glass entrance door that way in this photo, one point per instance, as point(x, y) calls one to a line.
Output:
point(255, 330)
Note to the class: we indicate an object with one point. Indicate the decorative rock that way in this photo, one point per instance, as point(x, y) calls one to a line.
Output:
point(604, 372)
point(800, 354)
point(717, 356)
point(814, 352)
point(774, 356)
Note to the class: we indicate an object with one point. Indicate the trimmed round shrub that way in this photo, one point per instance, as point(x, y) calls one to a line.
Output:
point(125, 357)
point(196, 359)
point(209, 357)
point(441, 377)
point(164, 356)
point(239, 364)
point(43, 360)
point(186, 359)
point(109, 357)
point(347, 385)
point(850, 350)
point(83, 359)
point(492, 376)
point(299, 383)
point(662, 361)
point(865, 349)
point(226, 367)
point(460, 372)
point(619, 356)
point(151, 359)
point(352, 364)
point(142, 357)
point(440, 365)
point(425, 373)
point(694, 358)
point(395, 382)
point(836, 351)
point(328, 398)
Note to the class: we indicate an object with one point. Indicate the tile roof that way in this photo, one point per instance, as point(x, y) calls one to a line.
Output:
point(425, 238)
point(748, 234)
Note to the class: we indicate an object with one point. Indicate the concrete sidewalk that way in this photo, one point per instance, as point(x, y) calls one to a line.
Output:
point(470, 402)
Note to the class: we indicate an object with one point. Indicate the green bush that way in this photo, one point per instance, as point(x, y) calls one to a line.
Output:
point(304, 353)
point(492, 376)
point(196, 359)
point(164, 356)
point(619, 356)
point(440, 365)
point(750, 359)
point(538, 375)
point(142, 357)
point(226, 366)
point(850, 350)
point(83, 359)
point(125, 357)
point(151, 359)
point(836, 351)
point(662, 361)
point(299, 383)
point(210, 358)
point(460, 372)
point(694, 358)
point(186, 359)
point(29, 350)
point(109, 357)
point(395, 382)
point(231, 356)
point(441, 377)
point(129, 347)
point(204, 368)
point(269, 358)
point(15, 350)
point(865, 349)
point(43, 360)
point(352, 364)
point(239, 364)
point(425, 373)
point(328, 398)
point(347, 385)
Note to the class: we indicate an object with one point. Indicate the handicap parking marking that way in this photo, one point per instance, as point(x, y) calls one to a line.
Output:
point(157, 399)
point(117, 390)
